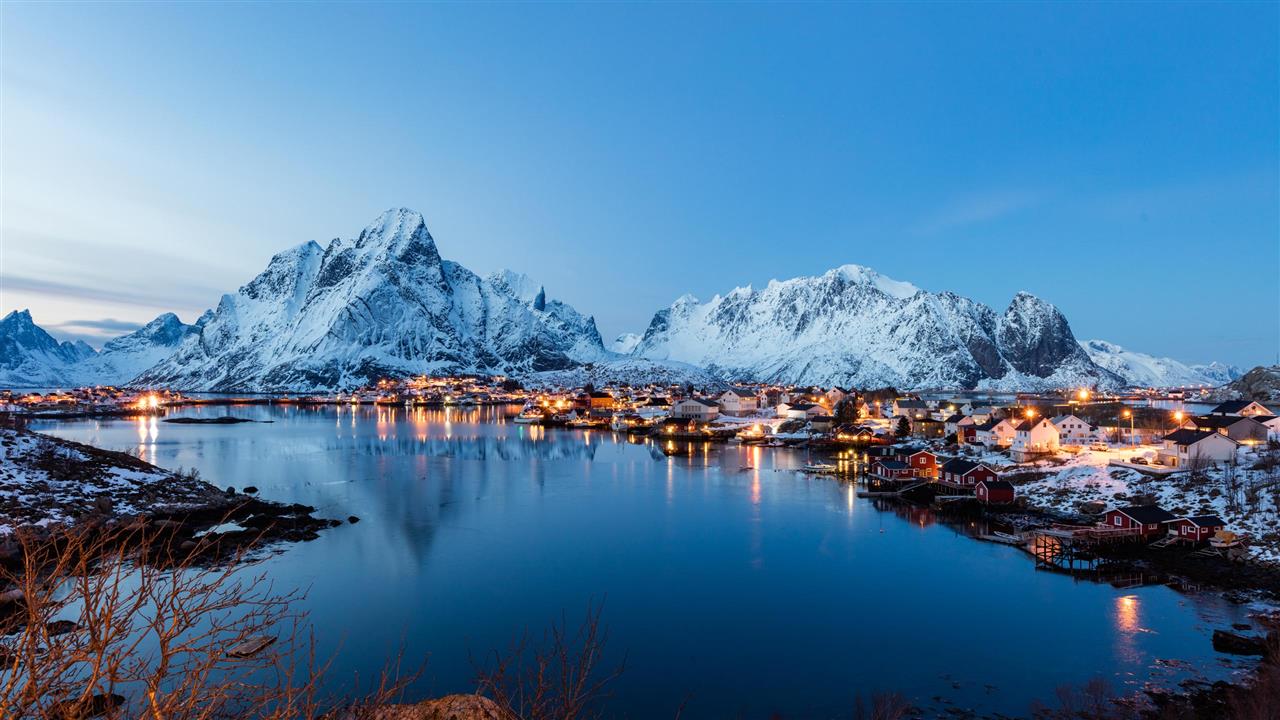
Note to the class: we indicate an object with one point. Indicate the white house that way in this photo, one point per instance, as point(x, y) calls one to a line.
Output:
point(947, 408)
point(1034, 437)
point(996, 432)
point(1272, 423)
point(1244, 408)
point(800, 411)
point(912, 409)
point(835, 395)
point(738, 402)
point(695, 409)
point(1241, 428)
point(1072, 430)
point(982, 413)
point(1187, 446)
point(954, 423)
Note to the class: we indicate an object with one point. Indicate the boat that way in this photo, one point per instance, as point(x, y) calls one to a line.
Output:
point(523, 419)
point(820, 468)
point(1004, 538)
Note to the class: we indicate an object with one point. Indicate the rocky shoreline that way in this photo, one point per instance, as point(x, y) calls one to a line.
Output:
point(50, 486)
point(1243, 580)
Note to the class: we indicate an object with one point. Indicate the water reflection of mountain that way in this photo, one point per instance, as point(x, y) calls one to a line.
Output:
point(477, 446)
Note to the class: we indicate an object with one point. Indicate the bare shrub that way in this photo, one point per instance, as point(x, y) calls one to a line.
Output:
point(121, 624)
point(559, 678)
point(883, 706)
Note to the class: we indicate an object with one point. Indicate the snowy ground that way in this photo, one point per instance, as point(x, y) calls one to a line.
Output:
point(44, 481)
point(1248, 499)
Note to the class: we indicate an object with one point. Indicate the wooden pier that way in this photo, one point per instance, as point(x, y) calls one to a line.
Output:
point(1065, 546)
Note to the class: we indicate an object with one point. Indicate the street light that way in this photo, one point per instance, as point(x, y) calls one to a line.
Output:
point(1129, 414)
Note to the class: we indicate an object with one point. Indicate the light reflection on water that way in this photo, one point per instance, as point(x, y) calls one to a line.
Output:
point(727, 573)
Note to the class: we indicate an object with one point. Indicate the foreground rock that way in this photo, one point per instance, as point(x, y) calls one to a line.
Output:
point(48, 484)
point(450, 707)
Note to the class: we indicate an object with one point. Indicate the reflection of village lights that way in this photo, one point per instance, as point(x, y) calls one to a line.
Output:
point(1127, 613)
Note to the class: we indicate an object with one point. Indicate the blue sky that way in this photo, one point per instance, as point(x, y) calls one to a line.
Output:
point(1119, 160)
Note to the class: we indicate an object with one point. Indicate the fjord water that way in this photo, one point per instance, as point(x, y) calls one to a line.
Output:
point(731, 582)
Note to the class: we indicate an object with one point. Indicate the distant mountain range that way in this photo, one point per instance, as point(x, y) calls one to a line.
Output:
point(1142, 370)
point(852, 326)
point(386, 304)
point(30, 356)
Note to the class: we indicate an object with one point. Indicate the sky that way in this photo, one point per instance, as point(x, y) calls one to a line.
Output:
point(1119, 160)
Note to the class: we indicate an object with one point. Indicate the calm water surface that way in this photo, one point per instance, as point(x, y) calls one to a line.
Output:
point(728, 577)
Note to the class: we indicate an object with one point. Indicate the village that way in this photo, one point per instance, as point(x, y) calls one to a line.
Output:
point(1112, 468)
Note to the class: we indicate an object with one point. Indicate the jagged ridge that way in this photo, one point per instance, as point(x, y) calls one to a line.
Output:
point(853, 326)
point(1143, 370)
point(382, 304)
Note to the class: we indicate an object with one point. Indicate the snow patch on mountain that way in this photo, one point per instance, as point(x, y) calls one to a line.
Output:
point(1142, 370)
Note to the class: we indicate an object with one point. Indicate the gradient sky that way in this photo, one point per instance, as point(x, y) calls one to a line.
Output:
point(1119, 160)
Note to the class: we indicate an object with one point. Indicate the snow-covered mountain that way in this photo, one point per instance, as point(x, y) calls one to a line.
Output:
point(31, 357)
point(625, 343)
point(386, 304)
point(852, 326)
point(1143, 370)
point(128, 356)
point(381, 304)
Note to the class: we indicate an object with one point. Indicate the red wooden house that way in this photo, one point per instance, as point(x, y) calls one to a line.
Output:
point(994, 492)
point(1147, 520)
point(964, 473)
point(887, 469)
point(923, 464)
point(1196, 529)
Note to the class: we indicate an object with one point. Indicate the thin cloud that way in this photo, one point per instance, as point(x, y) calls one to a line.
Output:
point(181, 297)
point(976, 209)
point(105, 325)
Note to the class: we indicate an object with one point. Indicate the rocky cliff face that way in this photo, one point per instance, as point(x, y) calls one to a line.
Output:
point(381, 304)
point(1261, 383)
point(853, 326)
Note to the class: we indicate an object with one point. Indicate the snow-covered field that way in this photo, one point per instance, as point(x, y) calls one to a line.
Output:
point(1247, 499)
point(45, 481)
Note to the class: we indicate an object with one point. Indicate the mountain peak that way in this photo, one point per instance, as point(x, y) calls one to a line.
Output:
point(862, 275)
point(22, 316)
point(394, 224)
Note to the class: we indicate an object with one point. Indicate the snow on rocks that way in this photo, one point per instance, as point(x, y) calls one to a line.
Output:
point(1246, 497)
point(44, 482)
